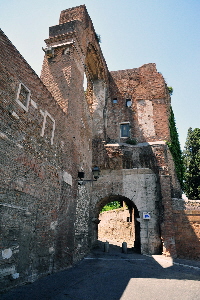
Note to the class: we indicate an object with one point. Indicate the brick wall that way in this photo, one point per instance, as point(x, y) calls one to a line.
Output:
point(40, 161)
point(186, 219)
point(149, 109)
point(51, 129)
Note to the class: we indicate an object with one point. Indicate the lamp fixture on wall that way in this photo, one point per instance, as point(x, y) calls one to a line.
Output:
point(95, 173)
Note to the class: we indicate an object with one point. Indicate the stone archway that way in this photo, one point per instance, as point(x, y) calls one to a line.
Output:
point(137, 187)
point(133, 218)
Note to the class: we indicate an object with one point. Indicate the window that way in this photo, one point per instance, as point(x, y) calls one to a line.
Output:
point(128, 102)
point(114, 100)
point(23, 96)
point(125, 130)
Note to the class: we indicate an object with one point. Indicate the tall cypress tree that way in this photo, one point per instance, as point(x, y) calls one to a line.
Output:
point(191, 156)
point(175, 148)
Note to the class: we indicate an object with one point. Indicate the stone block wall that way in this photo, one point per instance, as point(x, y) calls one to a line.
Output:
point(138, 189)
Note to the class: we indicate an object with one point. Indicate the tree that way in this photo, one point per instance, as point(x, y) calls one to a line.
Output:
point(191, 156)
point(175, 148)
point(112, 205)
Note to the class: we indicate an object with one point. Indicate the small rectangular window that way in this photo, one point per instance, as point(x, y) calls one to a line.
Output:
point(128, 102)
point(125, 130)
point(114, 100)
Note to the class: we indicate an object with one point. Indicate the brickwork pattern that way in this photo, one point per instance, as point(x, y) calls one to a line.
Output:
point(39, 159)
point(186, 217)
point(149, 110)
point(51, 129)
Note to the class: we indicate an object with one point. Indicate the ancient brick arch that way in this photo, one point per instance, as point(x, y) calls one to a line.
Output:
point(94, 64)
point(96, 75)
point(97, 87)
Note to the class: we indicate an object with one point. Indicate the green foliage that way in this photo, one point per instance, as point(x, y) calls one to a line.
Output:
point(131, 141)
point(191, 156)
point(112, 205)
point(170, 90)
point(175, 148)
point(98, 37)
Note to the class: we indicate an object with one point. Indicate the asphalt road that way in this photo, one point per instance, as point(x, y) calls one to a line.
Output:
point(117, 276)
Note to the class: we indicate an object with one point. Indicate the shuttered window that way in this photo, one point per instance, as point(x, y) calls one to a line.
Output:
point(125, 130)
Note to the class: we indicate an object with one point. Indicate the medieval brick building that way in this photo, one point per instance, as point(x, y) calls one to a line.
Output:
point(56, 129)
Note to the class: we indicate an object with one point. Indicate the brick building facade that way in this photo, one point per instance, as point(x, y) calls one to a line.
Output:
point(77, 116)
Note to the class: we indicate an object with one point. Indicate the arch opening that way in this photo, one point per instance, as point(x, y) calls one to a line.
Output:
point(119, 225)
point(95, 75)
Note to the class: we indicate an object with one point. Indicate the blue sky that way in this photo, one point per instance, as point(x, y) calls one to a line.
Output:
point(133, 33)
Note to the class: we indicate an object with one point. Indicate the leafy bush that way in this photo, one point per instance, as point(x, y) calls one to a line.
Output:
point(170, 90)
point(112, 205)
point(131, 141)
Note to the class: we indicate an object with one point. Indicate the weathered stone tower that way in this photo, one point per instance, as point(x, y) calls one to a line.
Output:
point(75, 72)
point(54, 131)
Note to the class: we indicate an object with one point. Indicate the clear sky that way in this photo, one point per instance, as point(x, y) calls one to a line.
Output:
point(133, 33)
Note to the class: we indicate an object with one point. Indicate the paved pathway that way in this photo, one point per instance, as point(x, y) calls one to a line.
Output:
point(117, 276)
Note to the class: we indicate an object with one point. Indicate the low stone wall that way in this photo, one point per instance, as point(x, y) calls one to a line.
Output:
point(116, 228)
point(186, 215)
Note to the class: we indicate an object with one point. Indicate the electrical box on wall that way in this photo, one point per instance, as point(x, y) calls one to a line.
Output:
point(146, 216)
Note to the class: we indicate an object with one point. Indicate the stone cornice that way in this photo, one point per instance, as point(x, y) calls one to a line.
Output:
point(52, 41)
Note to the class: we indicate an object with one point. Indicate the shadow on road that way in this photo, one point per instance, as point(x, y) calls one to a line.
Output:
point(116, 275)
